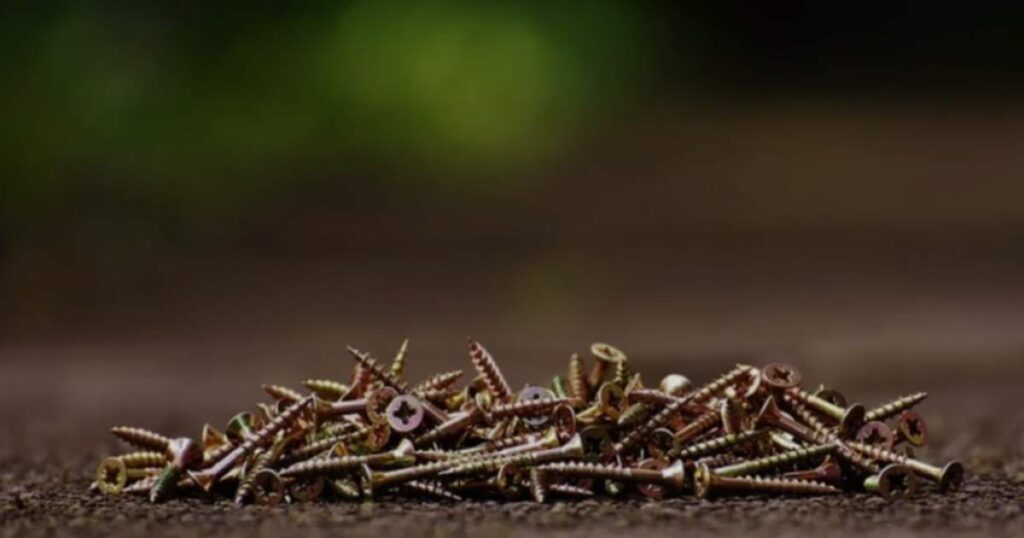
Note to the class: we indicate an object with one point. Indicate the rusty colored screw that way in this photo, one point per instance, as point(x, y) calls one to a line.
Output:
point(780, 375)
point(894, 407)
point(876, 433)
point(850, 419)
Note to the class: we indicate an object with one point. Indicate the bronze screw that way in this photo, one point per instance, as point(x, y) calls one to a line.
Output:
point(488, 369)
point(184, 454)
point(432, 489)
point(893, 408)
point(282, 393)
point(673, 476)
point(850, 419)
point(715, 444)
point(572, 449)
point(403, 454)
point(949, 477)
point(398, 364)
point(759, 465)
point(326, 388)
point(578, 381)
point(893, 482)
point(708, 484)
point(142, 438)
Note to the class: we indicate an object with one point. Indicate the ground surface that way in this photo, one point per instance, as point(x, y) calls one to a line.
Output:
point(953, 331)
point(44, 473)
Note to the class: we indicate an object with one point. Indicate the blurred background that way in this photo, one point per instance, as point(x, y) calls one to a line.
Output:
point(198, 197)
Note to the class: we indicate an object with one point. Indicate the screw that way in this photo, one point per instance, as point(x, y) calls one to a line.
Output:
point(184, 454)
point(403, 454)
point(894, 407)
point(142, 438)
point(282, 393)
point(488, 370)
point(389, 380)
point(206, 478)
point(672, 476)
point(949, 477)
point(578, 381)
point(715, 444)
point(828, 472)
point(398, 364)
point(268, 488)
point(438, 381)
point(755, 466)
point(850, 418)
point(572, 449)
point(326, 388)
point(708, 484)
point(432, 489)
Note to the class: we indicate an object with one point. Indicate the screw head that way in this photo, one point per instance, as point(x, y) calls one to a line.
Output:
point(607, 352)
point(852, 420)
point(659, 442)
point(895, 482)
point(377, 403)
point(532, 393)
point(404, 413)
point(509, 480)
point(952, 477)
point(377, 437)
point(675, 385)
point(111, 476)
point(268, 488)
point(876, 433)
point(597, 444)
point(651, 490)
point(306, 489)
point(563, 420)
point(702, 480)
point(780, 375)
point(913, 428)
point(611, 397)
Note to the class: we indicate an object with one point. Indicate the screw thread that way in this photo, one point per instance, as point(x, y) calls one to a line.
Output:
point(438, 381)
point(488, 369)
point(134, 460)
point(578, 382)
point(894, 407)
point(699, 425)
point(715, 445)
point(377, 371)
point(433, 489)
point(398, 364)
point(776, 460)
point(141, 438)
point(280, 392)
point(526, 408)
point(326, 387)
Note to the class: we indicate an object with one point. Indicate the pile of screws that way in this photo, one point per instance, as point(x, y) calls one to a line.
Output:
point(596, 430)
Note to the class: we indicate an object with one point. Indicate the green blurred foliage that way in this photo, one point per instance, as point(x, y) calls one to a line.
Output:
point(199, 107)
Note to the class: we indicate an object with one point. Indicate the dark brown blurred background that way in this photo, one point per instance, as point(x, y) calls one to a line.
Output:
point(196, 199)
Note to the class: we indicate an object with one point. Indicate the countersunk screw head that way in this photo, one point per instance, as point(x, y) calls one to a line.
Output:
point(597, 444)
point(377, 404)
point(912, 428)
point(780, 375)
point(111, 476)
point(306, 489)
point(952, 476)
point(893, 482)
point(876, 433)
point(405, 413)
point(652, 490)
point(563, 420)
point(607, 352)
point(268, 488)
point(533, 393)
